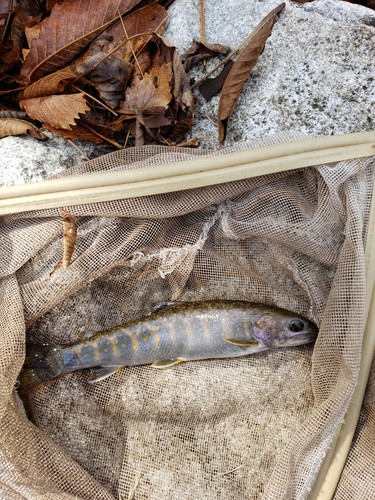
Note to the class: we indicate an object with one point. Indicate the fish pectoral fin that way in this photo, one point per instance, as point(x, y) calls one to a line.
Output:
point(103, 372)
point(166, 363)
point(241, 342)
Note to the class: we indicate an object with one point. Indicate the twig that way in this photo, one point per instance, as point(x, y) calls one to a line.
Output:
point(153, 33)
point(78, 149)
point(266, 20)
point(111, 141)
point(131, 46)
point(230, 471)
point(127, 138)
point(210, 119)
point(96, 100)
point(203, 37)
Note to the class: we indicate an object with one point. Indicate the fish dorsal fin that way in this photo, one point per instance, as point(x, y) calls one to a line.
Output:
point(89, 334)
point(103, 372)
point(162, 306)
point(166, 363)
point(241, 342)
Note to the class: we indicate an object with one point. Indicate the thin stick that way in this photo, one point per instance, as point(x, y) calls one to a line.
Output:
point(78, 149)
point(260, 26)
point(210, 119)
point(111, 141)
point(131, 47)
point(203, 37)
point(96, 100)
point(127, 138)
point(230, 471)
point(153, 33)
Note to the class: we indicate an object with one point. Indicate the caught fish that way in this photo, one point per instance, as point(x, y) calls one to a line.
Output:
point(178, 332)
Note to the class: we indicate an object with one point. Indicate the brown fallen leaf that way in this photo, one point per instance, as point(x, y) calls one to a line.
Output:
point(69, 240)
point(5, 112)
point(148, 19)
point(152, 91)
point(71, 26)
point(76, 132)
point(110, 76)
point(241, 70)
point(151, 96)
point(6, 9)
point(59, 111)
point(200, 51)
point(51, 84)
point(213, 86)
point(14, 126)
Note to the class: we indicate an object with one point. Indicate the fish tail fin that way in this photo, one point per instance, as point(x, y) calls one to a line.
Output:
point(38, 369)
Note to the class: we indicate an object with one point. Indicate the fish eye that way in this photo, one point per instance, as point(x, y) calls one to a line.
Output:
point(296, 325)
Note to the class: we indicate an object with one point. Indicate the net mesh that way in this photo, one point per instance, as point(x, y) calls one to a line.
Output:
point(254, 427)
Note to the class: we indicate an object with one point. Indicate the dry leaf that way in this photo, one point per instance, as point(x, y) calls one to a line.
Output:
point(212, 86)
point(150, 92)
point(6, 8)
point(200, 51)
point(151, 96)
point(149, 19)
point(111, 76)
point(241, 70)
point(49, 85)
point(5, 112)
point(14, 126)
point(59, 111)
point(76, 132)
point(69, 239)
point(71, 26)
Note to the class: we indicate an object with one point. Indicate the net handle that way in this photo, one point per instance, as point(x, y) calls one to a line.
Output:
point(184, 175)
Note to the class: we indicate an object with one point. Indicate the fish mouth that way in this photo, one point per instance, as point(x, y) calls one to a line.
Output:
point(301, 338)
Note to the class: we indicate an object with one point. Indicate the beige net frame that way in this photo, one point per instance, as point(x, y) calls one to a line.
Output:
point(291, 473)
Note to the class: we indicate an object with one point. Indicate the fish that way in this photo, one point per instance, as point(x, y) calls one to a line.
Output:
point(175, 333)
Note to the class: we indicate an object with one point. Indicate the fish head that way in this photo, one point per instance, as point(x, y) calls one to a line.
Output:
point(281, 328)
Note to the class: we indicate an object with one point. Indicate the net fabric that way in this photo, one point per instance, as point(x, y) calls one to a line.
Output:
point(357, 478)
point(255, 427)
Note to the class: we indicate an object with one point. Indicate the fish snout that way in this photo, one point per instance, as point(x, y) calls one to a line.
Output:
point(278, 332)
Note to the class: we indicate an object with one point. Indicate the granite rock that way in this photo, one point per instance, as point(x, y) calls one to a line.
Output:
point(24, 159)
point(316, 75)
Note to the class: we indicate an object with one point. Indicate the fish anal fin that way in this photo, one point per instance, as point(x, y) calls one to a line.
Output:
point(241, 342)
point(166, 363)
point(103, 372)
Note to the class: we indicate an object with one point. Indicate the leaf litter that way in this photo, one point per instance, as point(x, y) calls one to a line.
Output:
point(102, 71)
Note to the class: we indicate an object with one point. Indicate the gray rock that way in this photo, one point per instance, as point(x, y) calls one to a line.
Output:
point(316, 74)
point(24, 159)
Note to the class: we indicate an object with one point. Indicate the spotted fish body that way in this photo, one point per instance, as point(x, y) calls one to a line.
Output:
point(182, 332)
